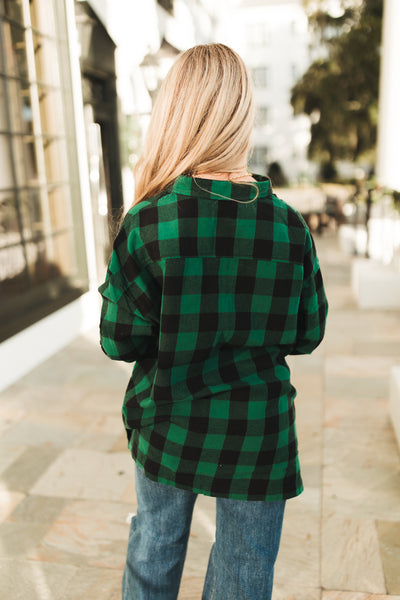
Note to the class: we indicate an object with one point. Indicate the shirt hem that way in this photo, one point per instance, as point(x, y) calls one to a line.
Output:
point(233, 495)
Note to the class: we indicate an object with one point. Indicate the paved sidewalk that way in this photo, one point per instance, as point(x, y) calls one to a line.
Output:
point(67, 478)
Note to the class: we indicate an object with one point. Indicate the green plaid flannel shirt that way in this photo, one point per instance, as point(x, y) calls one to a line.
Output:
point(208, 295)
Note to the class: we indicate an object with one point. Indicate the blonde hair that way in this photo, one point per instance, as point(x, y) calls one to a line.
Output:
point(201, 122)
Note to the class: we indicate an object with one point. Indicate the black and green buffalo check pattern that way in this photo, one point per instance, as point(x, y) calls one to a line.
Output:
point(207, 290)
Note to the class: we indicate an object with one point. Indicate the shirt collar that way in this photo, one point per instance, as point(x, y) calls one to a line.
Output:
point(216, 189)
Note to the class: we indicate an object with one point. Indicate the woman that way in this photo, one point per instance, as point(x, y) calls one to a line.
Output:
point(213, 280)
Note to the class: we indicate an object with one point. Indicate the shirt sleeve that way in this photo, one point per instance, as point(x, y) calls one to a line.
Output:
point(129, 315)
point(313, 306)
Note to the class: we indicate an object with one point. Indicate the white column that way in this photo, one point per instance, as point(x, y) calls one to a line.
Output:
point(388, 170)
point(81, 145)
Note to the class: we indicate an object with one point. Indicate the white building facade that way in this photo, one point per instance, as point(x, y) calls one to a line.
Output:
point(273, 38)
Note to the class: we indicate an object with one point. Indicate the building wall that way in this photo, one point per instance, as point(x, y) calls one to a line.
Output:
point(273, 39)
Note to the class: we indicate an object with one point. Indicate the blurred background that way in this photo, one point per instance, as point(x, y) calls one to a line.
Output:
point(77, 83)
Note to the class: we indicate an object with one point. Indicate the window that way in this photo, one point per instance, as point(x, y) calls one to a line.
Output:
point(260, 76)
point(294, 73)
point(261, 116)
point(259, 157)
point(257, 35)
point(168, 5)
point(41, 267)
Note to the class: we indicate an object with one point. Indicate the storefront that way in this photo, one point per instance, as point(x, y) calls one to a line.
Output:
point(47, 240)
point(42, 262)
point(69, 70)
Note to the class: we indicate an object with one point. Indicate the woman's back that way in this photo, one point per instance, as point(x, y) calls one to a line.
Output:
point(220, 282)
point(210, 285)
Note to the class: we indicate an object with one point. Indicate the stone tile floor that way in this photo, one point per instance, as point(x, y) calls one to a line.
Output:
point(67, 485)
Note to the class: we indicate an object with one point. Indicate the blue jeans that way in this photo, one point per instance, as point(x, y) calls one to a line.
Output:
point(241, 563)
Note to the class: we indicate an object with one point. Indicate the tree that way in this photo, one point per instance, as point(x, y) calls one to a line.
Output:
point(340, 91)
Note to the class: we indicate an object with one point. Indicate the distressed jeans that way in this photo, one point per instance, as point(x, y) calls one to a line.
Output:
point(242, 558)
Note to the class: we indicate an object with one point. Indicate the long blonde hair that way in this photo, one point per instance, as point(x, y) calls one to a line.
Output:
point(201, 122)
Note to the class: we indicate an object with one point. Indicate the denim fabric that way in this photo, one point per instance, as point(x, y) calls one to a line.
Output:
point(241, 564)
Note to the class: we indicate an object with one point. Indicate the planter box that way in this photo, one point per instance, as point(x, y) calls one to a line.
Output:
point(394, 405)
point(375, 285)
